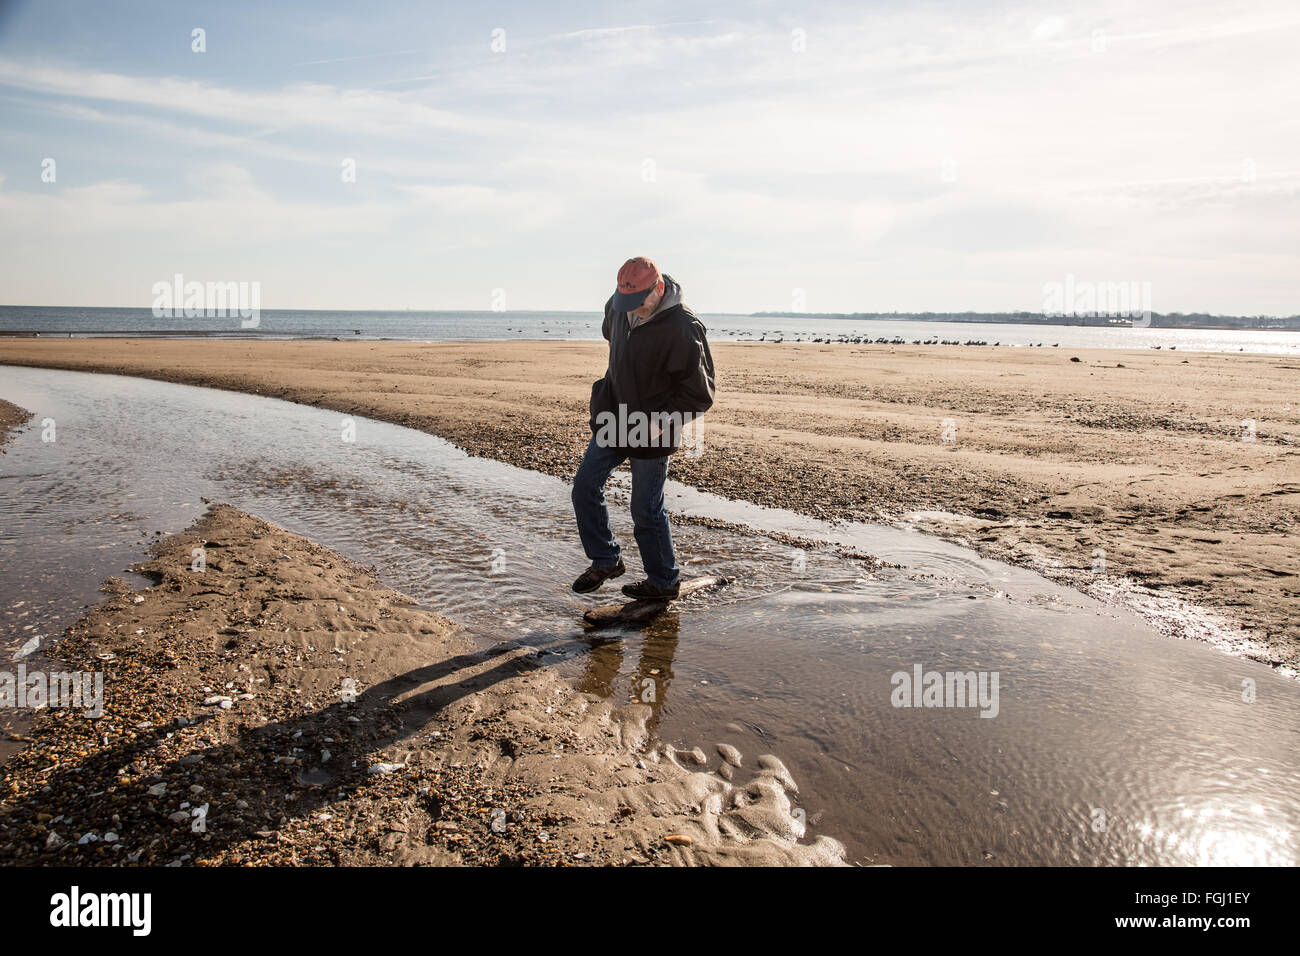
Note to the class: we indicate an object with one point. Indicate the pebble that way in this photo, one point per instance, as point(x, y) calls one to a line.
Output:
point(385, 767)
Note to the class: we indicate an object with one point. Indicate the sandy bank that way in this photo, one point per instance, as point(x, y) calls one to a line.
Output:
point(280, 706)
point(11, 417)
point(1173, 472)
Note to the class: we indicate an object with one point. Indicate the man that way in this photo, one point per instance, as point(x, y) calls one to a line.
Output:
point(660, 377)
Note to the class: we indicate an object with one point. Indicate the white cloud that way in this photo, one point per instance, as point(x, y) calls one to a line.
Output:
point(232, 211)
point(514, 210)
point(1048, 29)
point(812, 163)
point(356, 111)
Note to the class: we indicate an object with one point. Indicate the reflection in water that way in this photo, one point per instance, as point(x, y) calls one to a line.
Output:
point(653, 675)
point(1111, 744)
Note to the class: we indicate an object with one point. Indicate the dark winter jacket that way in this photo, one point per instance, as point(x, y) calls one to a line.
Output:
point(662, 365)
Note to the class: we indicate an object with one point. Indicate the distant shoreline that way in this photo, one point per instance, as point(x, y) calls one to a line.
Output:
point(1170, 320)
point(1158, 320)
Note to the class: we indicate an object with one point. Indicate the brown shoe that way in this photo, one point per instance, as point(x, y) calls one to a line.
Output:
point(594, 577)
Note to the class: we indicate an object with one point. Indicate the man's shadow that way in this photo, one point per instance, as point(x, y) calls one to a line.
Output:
point(280, 791)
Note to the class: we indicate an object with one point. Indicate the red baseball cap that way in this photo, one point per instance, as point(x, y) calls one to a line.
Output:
point(635, 280)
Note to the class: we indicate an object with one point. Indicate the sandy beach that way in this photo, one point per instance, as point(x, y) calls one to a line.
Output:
point(281, 706)
point(1149, 477)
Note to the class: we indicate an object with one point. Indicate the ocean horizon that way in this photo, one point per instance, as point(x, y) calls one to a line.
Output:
point(469, 326)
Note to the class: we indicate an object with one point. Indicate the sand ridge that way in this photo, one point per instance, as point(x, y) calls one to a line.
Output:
point(11, 419)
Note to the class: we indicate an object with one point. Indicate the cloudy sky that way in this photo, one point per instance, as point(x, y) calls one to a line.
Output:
point(877, 156)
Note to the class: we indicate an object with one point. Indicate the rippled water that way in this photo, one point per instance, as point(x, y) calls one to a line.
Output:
point(1110, 744)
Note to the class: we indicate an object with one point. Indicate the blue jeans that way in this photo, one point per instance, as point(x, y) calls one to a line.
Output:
point(649, 516)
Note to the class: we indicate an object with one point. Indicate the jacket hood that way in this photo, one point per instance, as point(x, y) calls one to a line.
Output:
point(672, 297)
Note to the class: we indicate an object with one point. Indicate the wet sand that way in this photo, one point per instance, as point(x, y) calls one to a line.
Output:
point(11, 418)
point(227, 689)
point(1130, 474)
